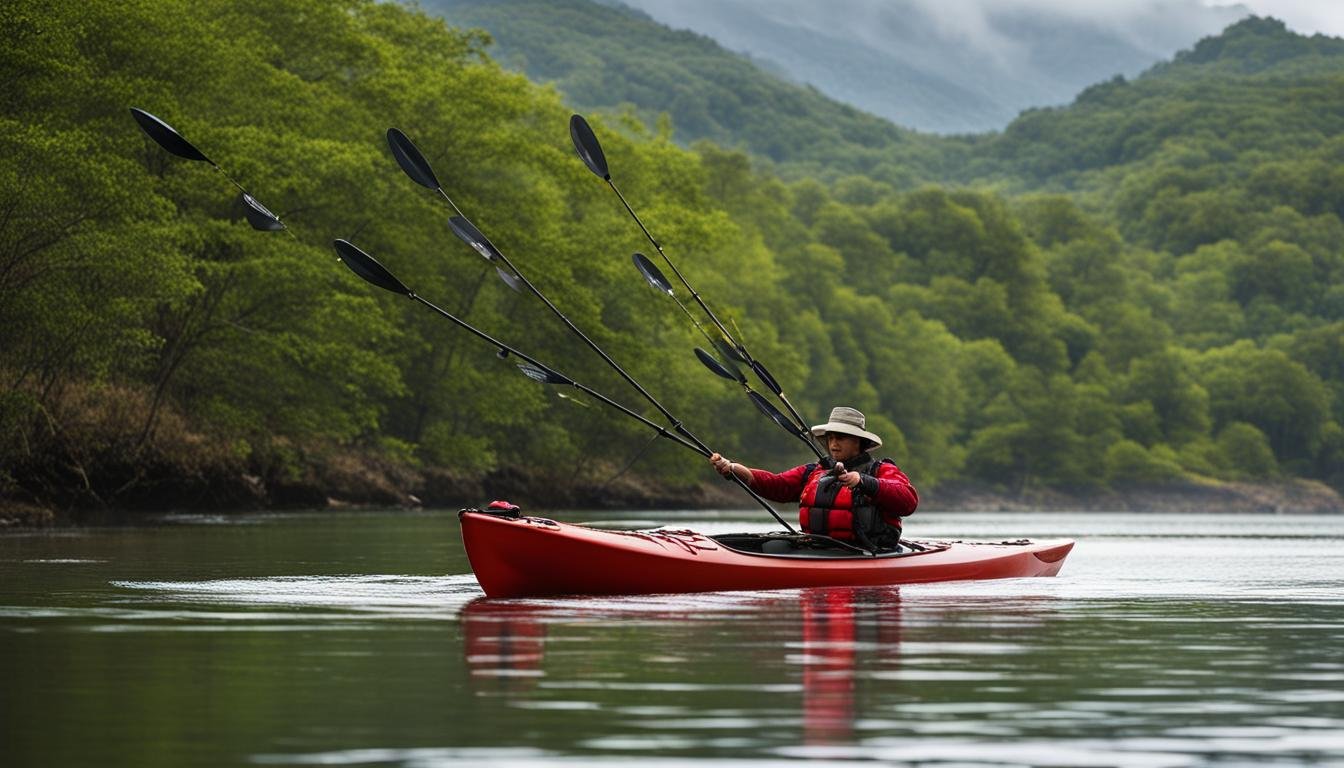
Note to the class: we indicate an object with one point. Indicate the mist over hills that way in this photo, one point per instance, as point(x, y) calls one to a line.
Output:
point(967, 66)
point(607, 56)
point(960, 67)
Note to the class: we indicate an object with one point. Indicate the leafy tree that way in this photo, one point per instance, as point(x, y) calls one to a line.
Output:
point(1268, 390)
point(1246, 451)
point(1128, 462)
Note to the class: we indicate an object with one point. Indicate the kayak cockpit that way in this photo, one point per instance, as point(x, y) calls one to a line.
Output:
point(802, 546)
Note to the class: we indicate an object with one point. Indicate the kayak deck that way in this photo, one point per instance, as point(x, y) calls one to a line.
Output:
point(802, 546)
point(534, 557)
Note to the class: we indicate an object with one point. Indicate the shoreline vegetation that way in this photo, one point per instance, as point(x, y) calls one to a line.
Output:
point(1132, 302)
point(339, 479)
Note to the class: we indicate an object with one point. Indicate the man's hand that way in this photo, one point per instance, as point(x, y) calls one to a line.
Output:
point(721, 465)
point(846, 478)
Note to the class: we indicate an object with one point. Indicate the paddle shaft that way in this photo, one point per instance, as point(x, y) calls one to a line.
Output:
point(682, 431)
point(672, 420)
point(684, 439)
point(793, 412)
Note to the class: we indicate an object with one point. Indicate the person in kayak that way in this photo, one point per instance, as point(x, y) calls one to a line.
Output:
point(851, 496)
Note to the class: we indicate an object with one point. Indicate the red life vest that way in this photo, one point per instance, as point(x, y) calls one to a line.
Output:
point(828, 508)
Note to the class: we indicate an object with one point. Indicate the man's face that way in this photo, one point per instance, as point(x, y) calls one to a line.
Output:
point(842, 447)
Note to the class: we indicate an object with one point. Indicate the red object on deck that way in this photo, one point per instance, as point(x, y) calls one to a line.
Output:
point(534, 557)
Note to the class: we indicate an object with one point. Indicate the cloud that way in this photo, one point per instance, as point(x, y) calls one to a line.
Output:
point(986, 29)
point(1304, 16)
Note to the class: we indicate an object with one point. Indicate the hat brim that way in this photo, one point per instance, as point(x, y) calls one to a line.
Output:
point(846, 429)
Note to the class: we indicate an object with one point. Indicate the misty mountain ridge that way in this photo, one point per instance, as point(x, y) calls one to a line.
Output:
point(613, 58)
point(967, 67)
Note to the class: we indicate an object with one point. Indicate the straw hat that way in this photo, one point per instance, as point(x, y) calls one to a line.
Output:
point(847, 421)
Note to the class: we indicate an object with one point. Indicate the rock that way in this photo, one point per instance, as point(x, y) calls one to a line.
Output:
point(17, 514)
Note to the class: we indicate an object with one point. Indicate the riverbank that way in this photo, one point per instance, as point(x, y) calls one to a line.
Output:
point(1291, 496)
point(343, 480)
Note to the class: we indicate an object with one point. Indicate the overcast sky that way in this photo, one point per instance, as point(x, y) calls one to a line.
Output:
point(1304, 16)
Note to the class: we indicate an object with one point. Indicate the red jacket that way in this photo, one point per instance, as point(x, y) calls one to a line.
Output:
point(889, 491)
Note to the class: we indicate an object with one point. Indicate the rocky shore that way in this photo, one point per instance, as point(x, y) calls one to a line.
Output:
point(1276, 497)
point(351, 481)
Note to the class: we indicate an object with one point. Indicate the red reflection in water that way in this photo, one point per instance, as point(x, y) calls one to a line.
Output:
point(841, 628)
point(504, 642)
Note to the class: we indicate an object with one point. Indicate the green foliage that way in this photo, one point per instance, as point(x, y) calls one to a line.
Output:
point(1246, 451)
point(1267, 389)
point(1152, 289)
point(1128, 462)
point(611, 58)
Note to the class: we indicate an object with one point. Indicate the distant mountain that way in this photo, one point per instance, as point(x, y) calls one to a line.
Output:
point(611, 57)
point(968, 66)
point(1257, 91)
point(605, 57)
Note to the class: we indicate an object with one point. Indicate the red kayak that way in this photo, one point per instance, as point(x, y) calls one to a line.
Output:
point(517, 556)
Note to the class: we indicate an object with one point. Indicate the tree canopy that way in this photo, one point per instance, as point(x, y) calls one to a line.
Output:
point(1147, 285)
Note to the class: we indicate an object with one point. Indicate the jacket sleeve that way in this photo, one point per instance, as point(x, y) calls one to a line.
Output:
point(891, 491)
point(785, 486)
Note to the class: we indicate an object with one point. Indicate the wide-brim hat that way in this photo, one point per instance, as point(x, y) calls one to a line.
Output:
point(847, 421)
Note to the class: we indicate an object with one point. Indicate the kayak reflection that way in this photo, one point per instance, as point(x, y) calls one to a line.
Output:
point(830, 632)
point(504, 641)
point(843, 627)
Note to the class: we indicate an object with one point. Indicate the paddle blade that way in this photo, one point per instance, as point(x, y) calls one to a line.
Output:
point(367, 267)
point(773, 414)
point(510, 280)
point(167, 137)
point(726, 357)
point(732, 351)
point(651, 273)
point(585, 142)
point(469, 234)
point(411, 161)
point(714, 366)
point(766, 378)
point(542, 375)
point(259, 216)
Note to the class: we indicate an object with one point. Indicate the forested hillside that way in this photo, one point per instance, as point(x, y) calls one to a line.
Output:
point(1170, 310)
point(614, 58)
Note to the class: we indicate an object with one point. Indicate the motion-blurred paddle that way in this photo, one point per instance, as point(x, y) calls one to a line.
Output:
point(167, 137)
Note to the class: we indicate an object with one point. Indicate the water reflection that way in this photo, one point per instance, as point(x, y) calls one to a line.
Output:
point(829, 632)
point(336, 640)
point(841, 628)
point(504, 642)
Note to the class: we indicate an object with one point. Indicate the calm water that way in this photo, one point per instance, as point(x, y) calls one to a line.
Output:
point(362, 639)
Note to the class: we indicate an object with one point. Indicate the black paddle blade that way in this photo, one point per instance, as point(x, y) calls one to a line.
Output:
point(367, 267)
point(732, 351)
point(259, 216)
point(167, 137)
point(588, 148)
point(714, 366)
point(766, 378)
point(469, 234)
point(652, 273)
point(510, 280)
point(726, 356)
point(542, 375)
point(411, 161)
point(773, 413)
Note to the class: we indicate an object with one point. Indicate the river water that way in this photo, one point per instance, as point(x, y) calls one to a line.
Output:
point(362, 639)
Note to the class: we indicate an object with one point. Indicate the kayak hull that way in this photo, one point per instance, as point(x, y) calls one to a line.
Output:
point(537, 557)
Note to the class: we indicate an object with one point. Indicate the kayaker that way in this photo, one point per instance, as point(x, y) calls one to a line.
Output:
point(851, 497)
